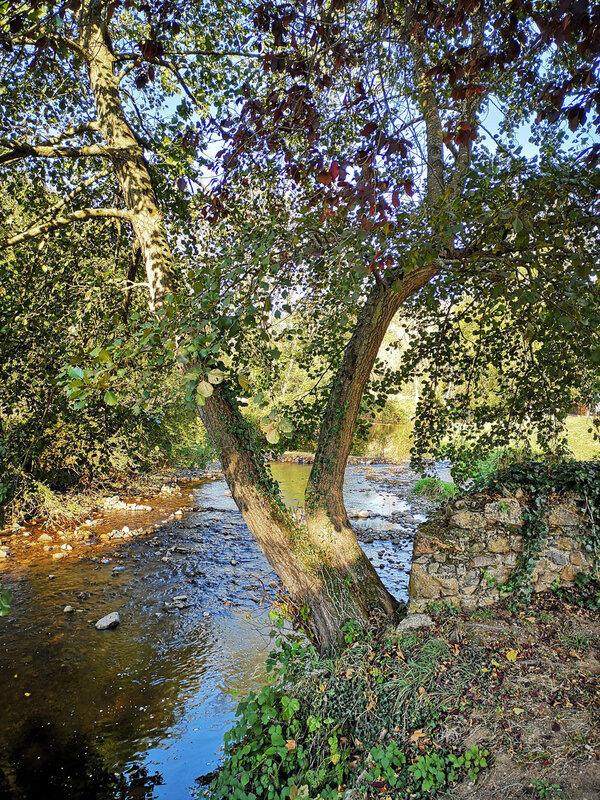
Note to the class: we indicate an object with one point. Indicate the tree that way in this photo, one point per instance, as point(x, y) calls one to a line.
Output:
point(368, 118)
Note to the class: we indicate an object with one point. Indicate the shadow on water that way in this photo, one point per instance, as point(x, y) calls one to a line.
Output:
point(151, 696)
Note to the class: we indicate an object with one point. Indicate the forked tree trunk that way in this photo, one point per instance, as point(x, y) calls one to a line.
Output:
point(320, 563)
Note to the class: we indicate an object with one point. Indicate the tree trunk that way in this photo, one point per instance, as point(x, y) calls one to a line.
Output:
point(320, 563)
point(125, 152)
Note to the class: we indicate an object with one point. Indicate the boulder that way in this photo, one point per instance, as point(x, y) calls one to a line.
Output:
point(413, 621)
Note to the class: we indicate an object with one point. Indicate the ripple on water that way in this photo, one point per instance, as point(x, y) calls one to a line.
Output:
point(78, 704)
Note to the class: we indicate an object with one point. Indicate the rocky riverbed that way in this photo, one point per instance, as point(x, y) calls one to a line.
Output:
point(149, 698)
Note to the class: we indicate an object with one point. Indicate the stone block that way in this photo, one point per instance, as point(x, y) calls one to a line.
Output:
point(482, 561)
point(564, 517)
point(567, 574)
point(499, 544)
point(423, 585)
point(468, 520)
point(507, 512)
point(576, 559)
point(449, 586)
point(422, 545)
point(556, 557)
point(564, 543)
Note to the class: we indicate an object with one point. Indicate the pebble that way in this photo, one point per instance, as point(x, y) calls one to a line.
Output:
point(118, 569)
point(68, 610)
point(109, 621)
point(44, 537)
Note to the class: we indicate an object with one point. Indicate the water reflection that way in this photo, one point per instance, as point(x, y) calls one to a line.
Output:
point(79, 705)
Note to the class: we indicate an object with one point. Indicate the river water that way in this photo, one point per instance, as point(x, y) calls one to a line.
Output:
point(97, 715)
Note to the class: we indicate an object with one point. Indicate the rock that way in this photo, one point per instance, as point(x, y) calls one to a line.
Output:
point(564, 543)
point(68, 610)
point(467, 520)
point(567, 574)
point(51, 577)
point(118, 569)
point(206, 613)
point(576, 559)
point(413, 621)
point(506, 511)
point(181, 598)
point(422, 584)
point(56, 556)
point(557, 557)
point(83, 596)
point(44, 537)
point(4, 552)
point(66, 547)
point(499, 545)
point(125, 529)
point(109, 621)
point(483, 561)
point(563, 517)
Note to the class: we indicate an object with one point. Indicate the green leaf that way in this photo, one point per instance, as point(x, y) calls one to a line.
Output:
point(272, 436)
point(243, 381)
point(215, 376)
point(205, 389)
point(110, 399)
point(285, 426)
point(76, 372)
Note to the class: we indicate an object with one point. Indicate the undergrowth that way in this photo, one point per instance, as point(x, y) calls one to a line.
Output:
point(364, 720)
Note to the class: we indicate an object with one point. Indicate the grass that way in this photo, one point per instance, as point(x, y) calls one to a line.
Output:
point(435, 489)
point(580, 439)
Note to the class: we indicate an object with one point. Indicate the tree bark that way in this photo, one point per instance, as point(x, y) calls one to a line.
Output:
point(125, 152)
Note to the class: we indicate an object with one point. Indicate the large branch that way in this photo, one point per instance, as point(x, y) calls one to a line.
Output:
point(18, 150)
point(67, 219)
point(339, 421)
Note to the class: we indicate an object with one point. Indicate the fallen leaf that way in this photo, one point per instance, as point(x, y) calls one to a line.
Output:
point(574, 654)
point(511, 655)
point(414, 739)
point(335, 758)
point(518, 711)
point(291, 745)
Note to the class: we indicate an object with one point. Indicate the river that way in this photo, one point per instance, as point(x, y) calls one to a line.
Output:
point(140, 711)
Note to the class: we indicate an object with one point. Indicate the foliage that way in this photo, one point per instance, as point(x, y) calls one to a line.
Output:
point(539, 482)
point(63, 367)
point(6, 597)
point(435, 489)
point(362, 720)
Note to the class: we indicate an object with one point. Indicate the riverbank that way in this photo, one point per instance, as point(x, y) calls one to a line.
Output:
point(488, 705)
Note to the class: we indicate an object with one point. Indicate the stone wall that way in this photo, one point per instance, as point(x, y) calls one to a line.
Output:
point(476, 539)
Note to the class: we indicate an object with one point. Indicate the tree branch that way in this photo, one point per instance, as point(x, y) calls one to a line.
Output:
point(60, 222)
point(18, 150)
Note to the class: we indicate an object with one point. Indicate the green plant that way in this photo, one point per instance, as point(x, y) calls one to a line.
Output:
point(441, 608)
point(6, 597)
point(318, 718)
point(435, 489)
point(543, 789)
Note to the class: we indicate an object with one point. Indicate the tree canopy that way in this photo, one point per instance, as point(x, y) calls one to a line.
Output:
point(331, 163)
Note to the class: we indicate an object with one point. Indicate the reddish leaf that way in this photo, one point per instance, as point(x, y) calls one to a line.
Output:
point(408, 187)
point(368, 129)
point(395, 198)
point(325, 178)
point(334, 170)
